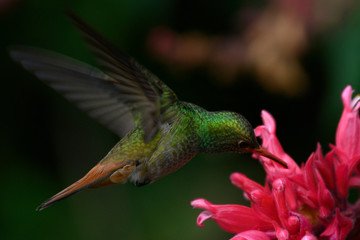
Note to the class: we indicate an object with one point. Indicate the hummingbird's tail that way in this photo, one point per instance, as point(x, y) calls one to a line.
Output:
point(98, 176)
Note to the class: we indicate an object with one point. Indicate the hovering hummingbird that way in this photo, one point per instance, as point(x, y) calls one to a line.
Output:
point(159, 133)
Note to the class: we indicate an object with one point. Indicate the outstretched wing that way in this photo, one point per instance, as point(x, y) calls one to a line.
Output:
point(89, 88)
point(145, 93)
point(125, 87)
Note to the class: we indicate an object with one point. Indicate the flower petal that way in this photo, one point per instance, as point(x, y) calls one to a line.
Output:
point(310, 179)
point(203, 216)
point(342, 180)
point(348, 131)
point(304, 224)
point(251, 235)
point(309, 236)
point(325, 199)
point(264, 205)
point(281, 233)
point(355, 182)
point(267, 132)
point(232, 218)
point(244, 183)
point(279, 197)
point(293, 224)
point(323, 167)
point(338, 228)
point(290, 196)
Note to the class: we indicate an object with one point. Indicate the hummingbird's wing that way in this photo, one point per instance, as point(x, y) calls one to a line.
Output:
point(145, 94)
point(89, 88)
point(124, 93)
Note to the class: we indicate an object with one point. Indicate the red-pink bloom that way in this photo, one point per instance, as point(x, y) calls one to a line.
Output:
point(301, 202)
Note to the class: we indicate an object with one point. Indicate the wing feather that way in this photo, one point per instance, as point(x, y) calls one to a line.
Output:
point(80, 83)
point(125, 93)
point(147, 97)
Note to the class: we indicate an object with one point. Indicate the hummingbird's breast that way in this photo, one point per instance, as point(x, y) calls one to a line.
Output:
point(177, 144)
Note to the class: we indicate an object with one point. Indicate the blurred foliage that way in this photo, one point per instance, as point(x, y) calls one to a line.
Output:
point(46, 143)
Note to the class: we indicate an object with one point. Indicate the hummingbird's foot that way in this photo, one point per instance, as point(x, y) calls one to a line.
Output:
point(121, 175)
point(146, 181)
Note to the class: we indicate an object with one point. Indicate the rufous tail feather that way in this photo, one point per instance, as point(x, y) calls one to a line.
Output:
point(98, 174)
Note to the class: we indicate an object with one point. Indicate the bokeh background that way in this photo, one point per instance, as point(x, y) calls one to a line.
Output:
point(290, 57)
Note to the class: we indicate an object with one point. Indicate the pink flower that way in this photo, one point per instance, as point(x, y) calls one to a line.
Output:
point(301, 202)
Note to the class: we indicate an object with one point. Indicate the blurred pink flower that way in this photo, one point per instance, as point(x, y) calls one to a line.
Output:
point(268, 42)
point(301, 202)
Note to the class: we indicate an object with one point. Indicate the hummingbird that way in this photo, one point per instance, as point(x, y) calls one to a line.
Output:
point(158, 132)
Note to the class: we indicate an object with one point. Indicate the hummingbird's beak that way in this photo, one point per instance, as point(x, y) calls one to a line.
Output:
point(263, 152)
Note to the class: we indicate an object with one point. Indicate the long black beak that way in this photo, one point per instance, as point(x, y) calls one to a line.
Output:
point(263, 152)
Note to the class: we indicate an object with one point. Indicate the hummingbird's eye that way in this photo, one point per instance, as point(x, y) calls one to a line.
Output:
point(243, 144)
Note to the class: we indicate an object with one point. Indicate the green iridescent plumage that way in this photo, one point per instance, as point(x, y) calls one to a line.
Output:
point(159, 133)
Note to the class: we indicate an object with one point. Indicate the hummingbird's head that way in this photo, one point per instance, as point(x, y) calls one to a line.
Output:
point(247, 141)
point(226, 132)
point(231, 132)
point(244, 139)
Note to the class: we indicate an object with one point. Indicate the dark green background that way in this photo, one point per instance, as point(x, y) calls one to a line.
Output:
point(46, 143)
